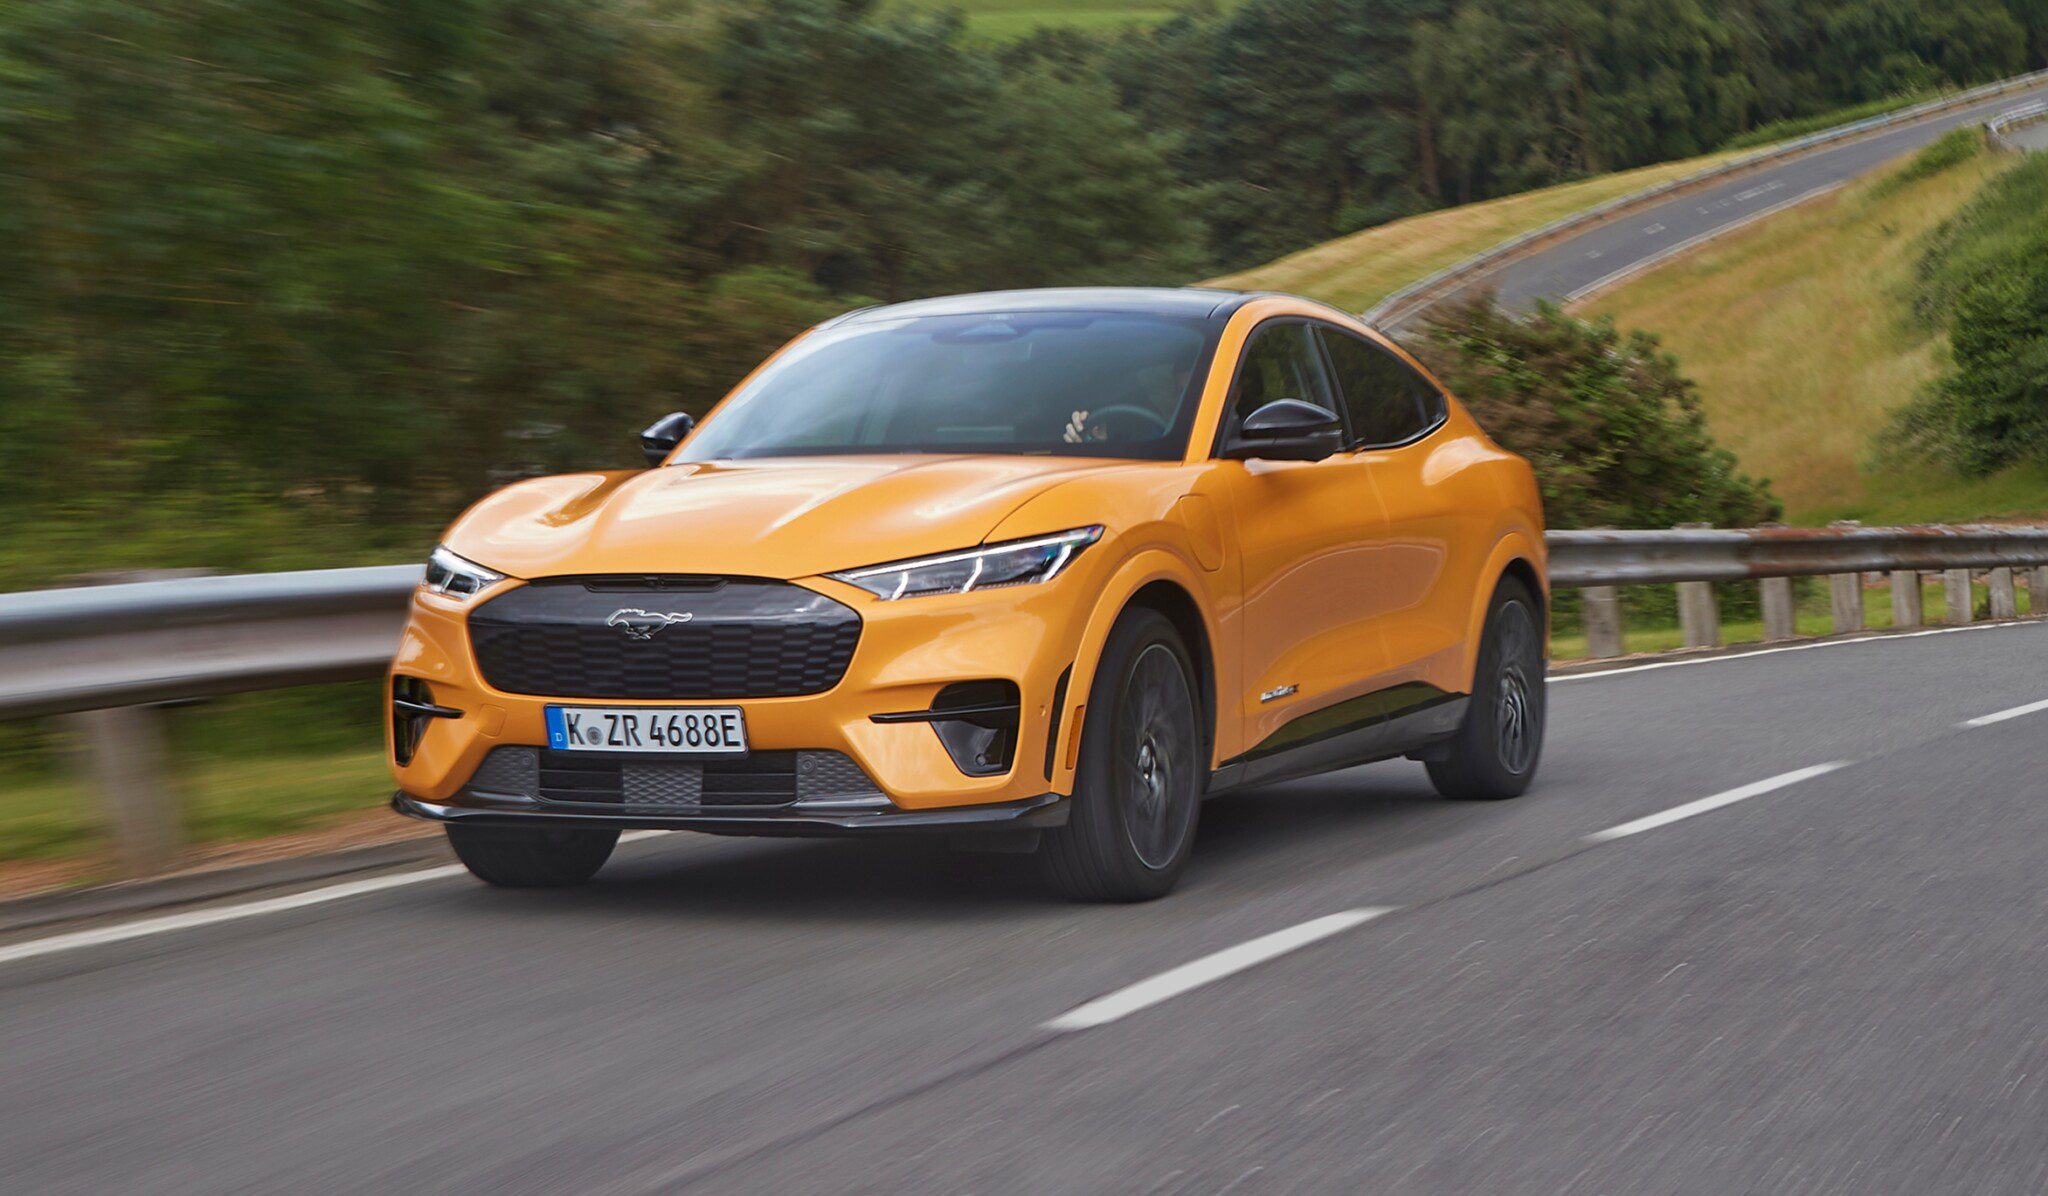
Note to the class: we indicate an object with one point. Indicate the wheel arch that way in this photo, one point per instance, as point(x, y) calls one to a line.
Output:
point(1172, 600)
point(1519, 555)
point(1155, 580)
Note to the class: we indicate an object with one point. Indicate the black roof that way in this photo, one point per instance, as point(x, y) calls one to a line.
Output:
point(1195, 302)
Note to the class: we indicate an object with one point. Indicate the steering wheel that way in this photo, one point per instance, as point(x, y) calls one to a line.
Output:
point(1158, 423)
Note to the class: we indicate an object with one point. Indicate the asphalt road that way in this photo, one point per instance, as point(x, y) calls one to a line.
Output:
point(1837, 985)
point(2032, 137)
point(1579, 264)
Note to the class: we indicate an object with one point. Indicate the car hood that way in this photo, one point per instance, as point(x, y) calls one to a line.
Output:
point(788, 517)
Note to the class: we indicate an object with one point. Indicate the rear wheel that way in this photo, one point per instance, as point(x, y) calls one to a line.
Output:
point(1142, 769)
point(1495, 751)
point(522, 857)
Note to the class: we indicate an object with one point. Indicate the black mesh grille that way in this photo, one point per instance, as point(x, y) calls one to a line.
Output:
point(688, 638)
point(760, 779)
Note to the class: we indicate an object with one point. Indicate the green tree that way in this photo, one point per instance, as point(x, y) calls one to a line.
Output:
point(1310, 124)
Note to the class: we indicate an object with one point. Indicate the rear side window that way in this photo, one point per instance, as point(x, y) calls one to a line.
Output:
point(1388, 402)
point(1280, 362)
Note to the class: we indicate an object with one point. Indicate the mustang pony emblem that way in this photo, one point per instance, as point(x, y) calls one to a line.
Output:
point(642, 624)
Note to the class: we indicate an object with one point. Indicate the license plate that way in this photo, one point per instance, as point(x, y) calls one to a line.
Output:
point(695, 730)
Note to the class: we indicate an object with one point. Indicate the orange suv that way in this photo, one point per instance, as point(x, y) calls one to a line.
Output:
point(1038, 570)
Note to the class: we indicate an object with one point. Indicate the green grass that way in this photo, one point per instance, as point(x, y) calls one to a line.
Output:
point(243, 768)
point(1813, 617)
point(1800, 333)
point(57, 815)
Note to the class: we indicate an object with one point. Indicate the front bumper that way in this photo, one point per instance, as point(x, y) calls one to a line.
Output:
point(908, 652)
point(1034, 813)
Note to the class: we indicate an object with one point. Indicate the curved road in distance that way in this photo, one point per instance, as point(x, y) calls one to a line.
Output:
point(1576, 266)
point(1696, 957)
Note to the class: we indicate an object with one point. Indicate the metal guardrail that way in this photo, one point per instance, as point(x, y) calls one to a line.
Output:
point(157, 641)
point(1598, 563)
point(2000, 127)
point(1626, 558)
point(94, 647)
point(102, 655)
point(1411, 300)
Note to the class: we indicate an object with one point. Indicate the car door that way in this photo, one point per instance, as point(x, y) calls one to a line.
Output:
point(1428, 564)
point(1306, 532)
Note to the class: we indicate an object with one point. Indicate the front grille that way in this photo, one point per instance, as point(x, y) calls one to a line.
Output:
point(676, 637)
point(664, 783)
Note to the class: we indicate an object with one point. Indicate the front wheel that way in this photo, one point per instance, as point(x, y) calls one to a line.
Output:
point(531, 857)
point(1144, 762)
point(1494, 753)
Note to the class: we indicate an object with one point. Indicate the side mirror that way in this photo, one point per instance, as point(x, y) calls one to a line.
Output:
point(663, 435)
point(1286, 430)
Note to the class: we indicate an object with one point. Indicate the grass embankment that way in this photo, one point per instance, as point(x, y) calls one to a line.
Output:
point(1800, 333)
point(244, 768)
point(1357, 271)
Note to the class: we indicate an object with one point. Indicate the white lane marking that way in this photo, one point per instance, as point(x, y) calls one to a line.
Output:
point(192, 919)
point(1208, 969)
point(1671, 251)
point(1805, 647)
point(1653, 230)
point(1689, 809)
point(1985, 720)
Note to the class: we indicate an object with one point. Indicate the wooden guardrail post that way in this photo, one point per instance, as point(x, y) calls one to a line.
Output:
point(1962, 605)
point(1906, 605)
point(1781, 616)
point(2037, 592)
point(1602, 605)
point(2005, 604)
point(125, 755)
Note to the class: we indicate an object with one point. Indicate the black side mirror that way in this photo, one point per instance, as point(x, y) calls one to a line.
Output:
point(1286, 430)
point(663, 435)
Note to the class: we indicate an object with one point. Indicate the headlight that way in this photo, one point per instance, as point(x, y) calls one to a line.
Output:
point(451, 575)
point(1017, 563)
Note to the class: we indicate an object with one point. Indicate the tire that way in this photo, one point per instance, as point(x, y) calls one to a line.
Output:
point(1495, 751)
point(531, 857)
point(1144, 764)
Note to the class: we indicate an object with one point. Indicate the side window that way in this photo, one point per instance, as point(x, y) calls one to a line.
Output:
point(1388, 402)
point(1280, 362)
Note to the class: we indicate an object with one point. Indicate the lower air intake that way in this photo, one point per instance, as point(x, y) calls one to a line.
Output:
point(657, 783)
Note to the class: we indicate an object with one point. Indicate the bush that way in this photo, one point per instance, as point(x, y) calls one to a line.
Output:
point(1984, 278)
point(1612, 427)
point(1952, 148)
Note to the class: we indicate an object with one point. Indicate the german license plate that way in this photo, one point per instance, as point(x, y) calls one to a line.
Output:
point(690, 730)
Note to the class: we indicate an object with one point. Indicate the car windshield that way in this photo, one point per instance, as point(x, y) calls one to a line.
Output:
point(1088, 384)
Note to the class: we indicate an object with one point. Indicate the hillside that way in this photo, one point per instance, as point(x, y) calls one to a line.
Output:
point(1799, 334)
